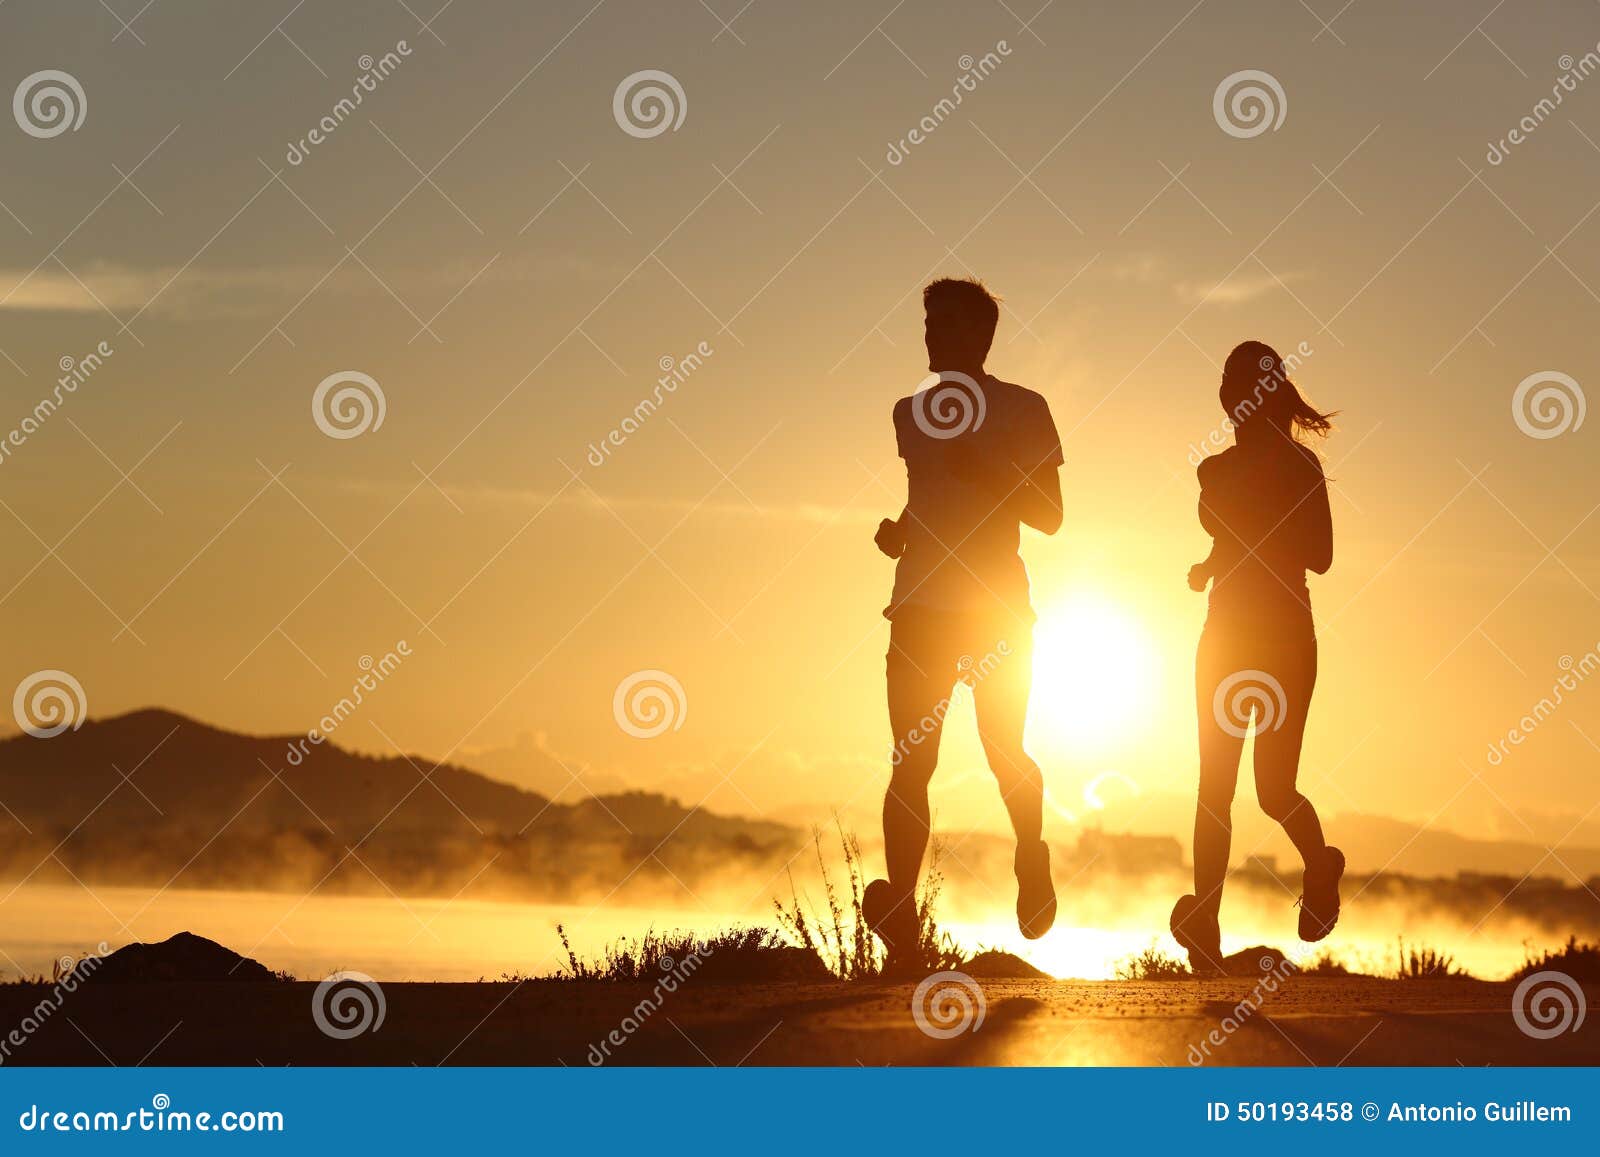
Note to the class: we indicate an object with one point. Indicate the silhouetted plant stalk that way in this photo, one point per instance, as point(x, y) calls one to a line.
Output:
point(842, 940)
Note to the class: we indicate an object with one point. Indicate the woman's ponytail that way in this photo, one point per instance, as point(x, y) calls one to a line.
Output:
point(1256, 381)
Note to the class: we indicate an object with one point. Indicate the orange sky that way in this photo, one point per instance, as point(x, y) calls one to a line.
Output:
point(511, 267)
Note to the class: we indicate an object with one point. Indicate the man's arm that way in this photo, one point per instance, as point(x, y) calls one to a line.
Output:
point(1038, 500)
point(891, 536)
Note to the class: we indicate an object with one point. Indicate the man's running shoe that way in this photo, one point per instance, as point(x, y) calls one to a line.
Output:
point(1036, 894)
point(1197, 934)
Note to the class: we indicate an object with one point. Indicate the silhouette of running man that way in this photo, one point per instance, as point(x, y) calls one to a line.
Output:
point(981, 458)
point(1264, 501)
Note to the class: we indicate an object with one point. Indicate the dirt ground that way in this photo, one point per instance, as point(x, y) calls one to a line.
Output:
point(1308, 1021)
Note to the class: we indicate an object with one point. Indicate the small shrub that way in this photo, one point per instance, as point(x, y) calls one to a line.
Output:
point(657, 952)
point(842, 940)
point(1152, 964)
point(1325, 963)
point(1579, 961)
point(1427, 964)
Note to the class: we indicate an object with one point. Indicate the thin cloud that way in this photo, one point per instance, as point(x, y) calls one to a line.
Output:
point(578, 498)
point(196, 292)
point(1235, 290)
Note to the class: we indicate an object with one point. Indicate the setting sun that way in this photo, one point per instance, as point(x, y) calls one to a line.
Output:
point(1094, 672)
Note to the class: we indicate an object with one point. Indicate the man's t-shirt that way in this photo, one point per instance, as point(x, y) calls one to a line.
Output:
point(960, 524)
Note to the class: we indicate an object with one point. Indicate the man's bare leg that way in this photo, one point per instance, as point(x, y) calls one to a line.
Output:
point(1002, 706)
point(918, 685)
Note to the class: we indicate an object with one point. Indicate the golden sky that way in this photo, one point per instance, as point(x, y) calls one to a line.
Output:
point(482, 238)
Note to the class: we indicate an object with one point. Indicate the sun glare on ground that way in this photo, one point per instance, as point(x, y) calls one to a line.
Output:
point(1094, 671)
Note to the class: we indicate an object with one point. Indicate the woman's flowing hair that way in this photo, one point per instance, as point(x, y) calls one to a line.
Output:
point(1256, 381)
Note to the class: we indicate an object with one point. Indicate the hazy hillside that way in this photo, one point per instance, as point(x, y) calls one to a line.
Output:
point(152, 797)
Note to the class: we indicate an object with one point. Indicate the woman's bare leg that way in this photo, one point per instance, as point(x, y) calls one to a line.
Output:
point(1277, 756)
point(1219, 774)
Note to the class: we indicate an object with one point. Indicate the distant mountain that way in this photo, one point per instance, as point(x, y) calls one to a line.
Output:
point(1382, 843)
point(155, 798)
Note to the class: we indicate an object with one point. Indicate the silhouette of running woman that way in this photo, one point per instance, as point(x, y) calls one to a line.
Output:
point(981, 458)
point(1264, 502)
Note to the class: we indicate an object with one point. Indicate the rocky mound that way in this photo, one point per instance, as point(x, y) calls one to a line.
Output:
point(992, 964)
point(183, 958)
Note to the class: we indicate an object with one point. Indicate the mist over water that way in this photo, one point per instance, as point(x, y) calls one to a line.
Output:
point(395, 938)
point(386, 937)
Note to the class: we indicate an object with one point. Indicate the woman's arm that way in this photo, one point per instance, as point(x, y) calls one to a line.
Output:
point(1316, 525)
point(1205, 474)
point(1204, 571)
